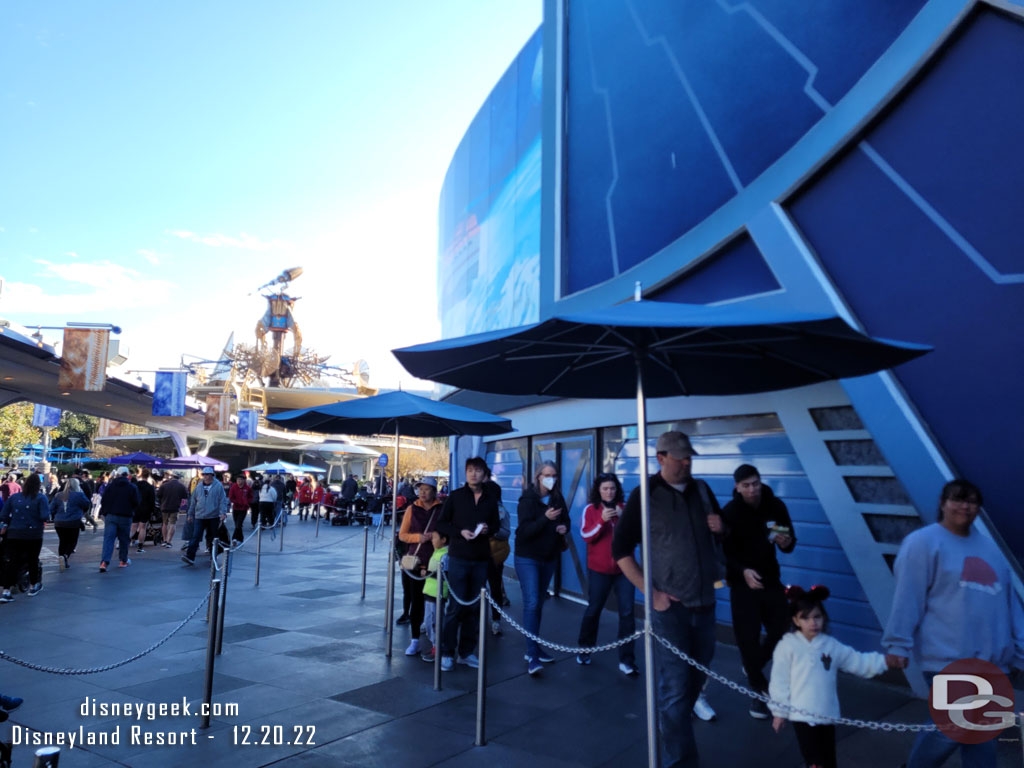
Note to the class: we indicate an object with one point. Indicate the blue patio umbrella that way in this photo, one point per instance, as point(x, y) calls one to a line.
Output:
point(404, 414)
point(138, 459)
point(656, 349)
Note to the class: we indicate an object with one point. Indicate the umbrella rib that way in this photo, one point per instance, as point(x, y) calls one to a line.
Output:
point(679, 337)
point(602, 361)
point(668, 367)
point(787, 360)
point(572, 366)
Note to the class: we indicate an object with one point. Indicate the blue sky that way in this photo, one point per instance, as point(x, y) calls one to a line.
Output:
point(160, 161)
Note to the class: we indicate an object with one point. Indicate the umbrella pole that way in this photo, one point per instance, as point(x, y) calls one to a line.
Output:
point(645, 552)
point(391, 550)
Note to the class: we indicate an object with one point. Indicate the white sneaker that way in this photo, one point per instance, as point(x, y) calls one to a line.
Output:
point(495, 628)
point(414, 647)
point(447, 662)
point(703, 710)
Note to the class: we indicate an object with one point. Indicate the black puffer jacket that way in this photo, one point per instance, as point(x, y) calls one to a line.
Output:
point(536, 537)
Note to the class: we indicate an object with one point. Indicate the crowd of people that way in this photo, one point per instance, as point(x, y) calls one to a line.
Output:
point(948, 577)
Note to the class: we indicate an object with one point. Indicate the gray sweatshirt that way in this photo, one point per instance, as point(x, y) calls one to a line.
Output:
point(208, 501)
point(954, 600)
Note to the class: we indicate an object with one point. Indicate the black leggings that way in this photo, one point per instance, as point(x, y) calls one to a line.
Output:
point(817, 744)
point(413, 590)
point(67, 539)
point(22, 553)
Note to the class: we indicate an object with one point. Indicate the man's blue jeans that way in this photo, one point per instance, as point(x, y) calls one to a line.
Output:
point(208, 525)
point(931, 748)
point(119, 527)
point(599, 586)
point(692, 631)
point(534, 577)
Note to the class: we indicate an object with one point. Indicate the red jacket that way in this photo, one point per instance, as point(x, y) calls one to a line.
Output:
point(240, 496)
point(598, 535)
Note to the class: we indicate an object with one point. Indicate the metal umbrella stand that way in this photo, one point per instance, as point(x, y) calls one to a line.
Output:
point(404, 414)
point(675, 349)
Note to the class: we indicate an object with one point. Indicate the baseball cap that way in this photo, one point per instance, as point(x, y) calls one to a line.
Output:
point(431, 481)
point(208, 471)
point(121, 471)
point(676, 444)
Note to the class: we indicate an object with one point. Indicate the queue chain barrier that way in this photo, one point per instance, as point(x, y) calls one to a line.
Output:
point(719, 678)
point(107, 667)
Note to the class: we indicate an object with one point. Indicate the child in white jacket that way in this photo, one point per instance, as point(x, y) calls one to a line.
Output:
point(804, 668)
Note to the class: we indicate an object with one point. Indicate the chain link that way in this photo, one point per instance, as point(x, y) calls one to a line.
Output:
point(455, 597)
point(555, 646)
point(94, 670)
point(776, 705)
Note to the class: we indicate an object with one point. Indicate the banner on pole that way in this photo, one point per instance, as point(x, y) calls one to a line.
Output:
point(169, 393)
point(45, 416)
point(83, 362)
point(109, 428)
point(247, 421)
point(218, 413)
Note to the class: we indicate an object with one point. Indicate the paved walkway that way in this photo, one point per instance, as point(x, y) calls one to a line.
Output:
point(302, 651)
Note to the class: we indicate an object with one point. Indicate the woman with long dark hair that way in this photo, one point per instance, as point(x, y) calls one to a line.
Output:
point(603, 575)
point(67, 508)
point(21, 525)
point(540, 538)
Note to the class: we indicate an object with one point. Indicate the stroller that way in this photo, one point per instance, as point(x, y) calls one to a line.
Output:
point(155, 527)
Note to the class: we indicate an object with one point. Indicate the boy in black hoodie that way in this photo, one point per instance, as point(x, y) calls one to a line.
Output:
point(758, 522)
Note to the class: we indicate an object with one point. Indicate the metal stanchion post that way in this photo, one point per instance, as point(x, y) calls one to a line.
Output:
point(317, 536)
point(366, 538)
point(223, 602)
point(481, 673)
point(439, 605)
point(210, 616)
point(259, 546)
point(211, 643)
point(281, 547)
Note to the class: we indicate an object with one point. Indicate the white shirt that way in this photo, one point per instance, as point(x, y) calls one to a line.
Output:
point(268, 494)
point(804, 674)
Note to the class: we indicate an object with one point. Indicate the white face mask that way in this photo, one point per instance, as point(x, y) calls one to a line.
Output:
point(548, 482)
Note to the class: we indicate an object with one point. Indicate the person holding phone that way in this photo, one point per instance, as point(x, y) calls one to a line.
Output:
point(468, 517)
point(540, 539)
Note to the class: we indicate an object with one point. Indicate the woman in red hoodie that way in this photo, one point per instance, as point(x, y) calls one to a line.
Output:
point(603, 575)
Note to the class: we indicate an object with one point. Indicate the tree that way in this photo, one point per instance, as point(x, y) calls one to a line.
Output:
point(16, 430)
point(415, 463)
point(77, 425)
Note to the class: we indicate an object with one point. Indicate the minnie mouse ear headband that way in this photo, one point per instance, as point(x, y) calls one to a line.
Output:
point(817, 593)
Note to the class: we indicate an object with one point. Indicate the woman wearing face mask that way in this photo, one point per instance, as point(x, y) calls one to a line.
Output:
point(603, 574)
point(540, 537)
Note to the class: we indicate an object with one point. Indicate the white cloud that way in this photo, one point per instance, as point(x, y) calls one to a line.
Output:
point(151, 256)
point(111, 286)
point(217, 240)
point(72, 254)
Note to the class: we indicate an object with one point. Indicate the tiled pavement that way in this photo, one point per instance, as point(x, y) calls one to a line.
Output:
point(303, 649)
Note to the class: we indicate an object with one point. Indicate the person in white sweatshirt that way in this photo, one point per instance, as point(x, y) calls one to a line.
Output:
point(804, 669)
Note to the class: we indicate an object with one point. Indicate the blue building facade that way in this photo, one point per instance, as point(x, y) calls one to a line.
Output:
point(855, 157)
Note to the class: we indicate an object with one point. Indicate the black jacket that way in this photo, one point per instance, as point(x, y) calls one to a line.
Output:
point(686, 557)
point(536, 537)
point(147, 496)
point(120, 499)
point(349, 488)
point(462, 512)
point(747, 544)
